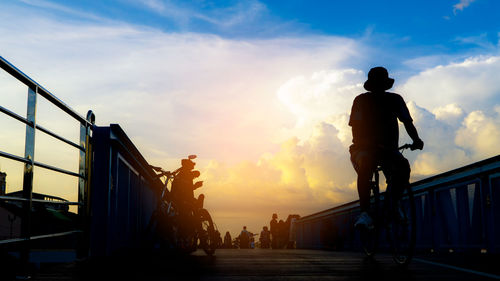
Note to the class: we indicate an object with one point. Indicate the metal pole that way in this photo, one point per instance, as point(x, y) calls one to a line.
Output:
point(29, 154)
point(84, 185)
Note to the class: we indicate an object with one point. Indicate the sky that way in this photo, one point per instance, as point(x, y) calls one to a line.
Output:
point(261, 91)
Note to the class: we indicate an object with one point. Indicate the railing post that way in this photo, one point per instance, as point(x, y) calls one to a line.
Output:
point(84, 183)
point(29, 153)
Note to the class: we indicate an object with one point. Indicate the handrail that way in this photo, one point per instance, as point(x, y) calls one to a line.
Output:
point(48, 132)
point(14, 71)
point(11, 198)
point(455, 210)
point(85, 160)
point(45, 236)
point(35, 163)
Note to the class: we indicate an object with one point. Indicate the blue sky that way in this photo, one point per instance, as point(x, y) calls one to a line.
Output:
point(396, 30)
point(260, 90)
point(424, 22)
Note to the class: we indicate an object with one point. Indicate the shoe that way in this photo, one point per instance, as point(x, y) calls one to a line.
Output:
point(364, 220)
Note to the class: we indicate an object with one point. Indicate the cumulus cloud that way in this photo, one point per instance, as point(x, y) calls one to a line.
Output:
point(450, 113)
point(177, 94)
point(480, 134)
point(165, 83)
point(303, 177)
point(316, 97)
point(471, 83)
point(268, 117)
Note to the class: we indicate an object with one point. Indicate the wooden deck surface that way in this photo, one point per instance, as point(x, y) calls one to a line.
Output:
point(258, 264)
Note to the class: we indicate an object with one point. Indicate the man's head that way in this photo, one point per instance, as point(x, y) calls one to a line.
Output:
point(187, 164)
point(378, 80)
point(275, 216)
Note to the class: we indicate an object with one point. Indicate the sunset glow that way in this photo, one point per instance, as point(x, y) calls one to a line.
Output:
point(261, 94)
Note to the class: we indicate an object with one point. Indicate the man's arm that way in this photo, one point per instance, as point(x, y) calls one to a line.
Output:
point(412, 132)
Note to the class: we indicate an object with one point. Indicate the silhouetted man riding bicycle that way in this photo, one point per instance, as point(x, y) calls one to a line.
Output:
point(374, 122)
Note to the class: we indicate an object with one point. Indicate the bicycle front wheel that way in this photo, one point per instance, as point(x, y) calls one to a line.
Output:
point(402, 228)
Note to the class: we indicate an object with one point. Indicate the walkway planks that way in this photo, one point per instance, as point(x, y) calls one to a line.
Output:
point(258, 264)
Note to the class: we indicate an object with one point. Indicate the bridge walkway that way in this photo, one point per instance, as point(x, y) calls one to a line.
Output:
point(262, 264)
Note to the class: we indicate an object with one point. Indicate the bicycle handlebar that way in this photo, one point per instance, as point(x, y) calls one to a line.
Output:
point(405, 146)
point(163, 172)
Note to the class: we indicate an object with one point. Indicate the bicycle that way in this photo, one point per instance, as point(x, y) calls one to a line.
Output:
point(398, 222)
point(169, 227)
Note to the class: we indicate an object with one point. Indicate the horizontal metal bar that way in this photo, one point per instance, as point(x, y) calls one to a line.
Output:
point(48, 132)
point(15, 116)
point(10, 241)
point(59, 137)
point(14, 157)
point(24, 160)
point(55, 235)
point(12, 198)
point(57, 169)
point(19, 75)
point(19, 240)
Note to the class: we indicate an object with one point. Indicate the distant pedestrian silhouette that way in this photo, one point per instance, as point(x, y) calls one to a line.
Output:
point(374, 121)
point(265, 238)
point(228, 243)
point(274, 231)
point(282, 234)
point(244, 238)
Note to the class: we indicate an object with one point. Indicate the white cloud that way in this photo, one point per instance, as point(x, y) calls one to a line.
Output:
point(460, 6)
point(480, 135)
point(184, 14)
point(451, 113)
point(480, 40)
point(228, 100)
point(154, 79)
point(316, 97)
point(471, 83)
point(302, 177)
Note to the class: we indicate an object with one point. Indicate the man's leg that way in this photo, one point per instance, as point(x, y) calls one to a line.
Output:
point(364, 164)
point(397, 172)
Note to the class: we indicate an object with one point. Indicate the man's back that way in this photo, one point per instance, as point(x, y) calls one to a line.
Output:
point(374, 118)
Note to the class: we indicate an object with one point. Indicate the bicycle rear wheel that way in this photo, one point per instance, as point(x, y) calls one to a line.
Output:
point(207, 235)
point(402, 228)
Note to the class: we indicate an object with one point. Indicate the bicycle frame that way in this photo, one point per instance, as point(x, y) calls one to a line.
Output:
point(388, 216)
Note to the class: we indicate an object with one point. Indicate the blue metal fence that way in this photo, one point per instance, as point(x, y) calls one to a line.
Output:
point(455, 211)
point(125, 192)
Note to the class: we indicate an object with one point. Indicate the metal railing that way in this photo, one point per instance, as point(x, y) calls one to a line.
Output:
point(457, 211)
point(35, 91)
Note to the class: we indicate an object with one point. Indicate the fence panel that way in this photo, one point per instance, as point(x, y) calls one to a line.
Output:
point(455, 211)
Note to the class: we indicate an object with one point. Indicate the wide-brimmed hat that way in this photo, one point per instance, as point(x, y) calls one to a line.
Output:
point(378, 79)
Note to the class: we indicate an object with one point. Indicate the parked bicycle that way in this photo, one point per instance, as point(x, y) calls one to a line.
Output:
point(394, 218)
point(175, 225)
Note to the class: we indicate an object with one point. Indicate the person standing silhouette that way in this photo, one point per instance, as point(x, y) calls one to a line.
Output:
point(273, 224)
point(374, 121)
point(228, 242)
point(244, 238)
